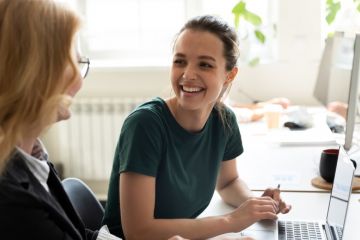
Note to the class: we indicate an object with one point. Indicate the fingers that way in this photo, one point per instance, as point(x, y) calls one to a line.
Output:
point(267, 202)
point(283, 207)
point(264, 208)
point(274, 193)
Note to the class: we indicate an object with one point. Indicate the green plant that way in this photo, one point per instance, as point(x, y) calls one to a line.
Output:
point(241, 12)
point(333, 7)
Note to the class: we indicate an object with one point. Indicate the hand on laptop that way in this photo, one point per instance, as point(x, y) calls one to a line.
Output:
point(274, 193)
point(252, 210)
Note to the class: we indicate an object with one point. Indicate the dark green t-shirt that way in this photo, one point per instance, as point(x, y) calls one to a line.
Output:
point(184, 164)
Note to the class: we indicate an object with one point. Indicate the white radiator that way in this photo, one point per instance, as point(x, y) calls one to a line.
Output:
point(88, 139)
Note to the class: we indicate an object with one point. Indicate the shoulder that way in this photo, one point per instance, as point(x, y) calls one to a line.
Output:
point(148, 113)
point(15, 172)
point(147, 119)
point(225, 114)
point(25, 205)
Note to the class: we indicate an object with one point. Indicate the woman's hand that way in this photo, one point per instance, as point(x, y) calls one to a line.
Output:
point(274, 193)
point(251, 211)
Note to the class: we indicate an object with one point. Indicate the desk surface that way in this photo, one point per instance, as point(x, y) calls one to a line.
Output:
point(305, 206)
point(266, 163)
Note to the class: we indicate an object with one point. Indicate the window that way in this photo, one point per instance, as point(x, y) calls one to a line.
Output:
point(141, 32)
point(347, 18)
point(250, 47)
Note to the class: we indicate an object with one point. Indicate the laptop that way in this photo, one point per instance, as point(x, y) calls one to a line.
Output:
point(331, 229)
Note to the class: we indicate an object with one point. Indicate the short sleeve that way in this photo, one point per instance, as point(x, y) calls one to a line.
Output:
point(234, 145)
point(140, 143)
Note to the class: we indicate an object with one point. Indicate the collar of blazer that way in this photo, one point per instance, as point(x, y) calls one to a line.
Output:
point(23, 188)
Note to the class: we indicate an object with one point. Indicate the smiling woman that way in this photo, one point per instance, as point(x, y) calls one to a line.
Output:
point(172, 154)
point(200, 73)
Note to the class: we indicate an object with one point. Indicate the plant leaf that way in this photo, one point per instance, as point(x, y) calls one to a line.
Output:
point(358, 7)
point(332, 11)
point(255, 61)
point(239, 8)
point(253, 18)
point(236, 20)
point(260, 36)
point(330, 17)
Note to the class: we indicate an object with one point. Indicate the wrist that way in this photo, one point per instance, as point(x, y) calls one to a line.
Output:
point(229, 223)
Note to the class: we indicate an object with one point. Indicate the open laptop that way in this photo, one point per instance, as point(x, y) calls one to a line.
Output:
point(333, 226)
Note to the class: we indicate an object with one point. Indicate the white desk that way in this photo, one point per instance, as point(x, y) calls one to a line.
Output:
point(267, 164)
point(305, 206)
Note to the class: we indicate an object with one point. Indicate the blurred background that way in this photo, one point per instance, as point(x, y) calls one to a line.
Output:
point(129, 43)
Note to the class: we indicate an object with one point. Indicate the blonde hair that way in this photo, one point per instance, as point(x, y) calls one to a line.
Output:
point(36, 44)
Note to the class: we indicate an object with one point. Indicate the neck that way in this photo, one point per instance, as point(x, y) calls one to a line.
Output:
point(190, 120)
point(27, 145)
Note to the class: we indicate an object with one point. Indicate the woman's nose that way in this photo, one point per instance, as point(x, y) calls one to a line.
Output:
point(189, 73)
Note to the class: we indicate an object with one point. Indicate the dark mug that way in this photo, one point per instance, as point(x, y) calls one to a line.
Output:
point(328, 161)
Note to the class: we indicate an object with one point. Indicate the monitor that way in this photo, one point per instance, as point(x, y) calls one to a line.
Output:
point(333, 79)
point(321, 89)
point(337, 80)
point(353, 95)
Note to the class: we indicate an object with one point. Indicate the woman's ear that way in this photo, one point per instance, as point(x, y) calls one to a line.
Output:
point(231, 75)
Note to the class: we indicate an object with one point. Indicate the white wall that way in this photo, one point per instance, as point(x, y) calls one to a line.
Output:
point(127, 82)
point(292, 76)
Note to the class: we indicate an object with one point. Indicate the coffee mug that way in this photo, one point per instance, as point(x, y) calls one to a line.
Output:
point(328, 161)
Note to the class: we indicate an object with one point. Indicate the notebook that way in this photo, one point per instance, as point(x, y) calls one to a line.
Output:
point(317, 136)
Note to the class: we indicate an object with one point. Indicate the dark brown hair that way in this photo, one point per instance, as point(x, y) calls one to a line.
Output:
point(222, 30)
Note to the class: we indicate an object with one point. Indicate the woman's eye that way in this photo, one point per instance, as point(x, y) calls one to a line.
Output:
point(205, 65)
point(179, 61)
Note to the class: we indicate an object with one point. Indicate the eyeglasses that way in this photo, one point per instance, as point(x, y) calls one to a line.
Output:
point(84, 65)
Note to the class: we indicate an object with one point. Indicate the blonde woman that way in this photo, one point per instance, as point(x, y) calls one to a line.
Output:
point(40, 71)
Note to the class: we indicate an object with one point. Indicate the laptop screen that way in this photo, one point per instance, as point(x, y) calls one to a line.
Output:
point(340, 194)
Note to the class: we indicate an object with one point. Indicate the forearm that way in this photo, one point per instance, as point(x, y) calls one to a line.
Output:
point(235, 193)
point(201, 228)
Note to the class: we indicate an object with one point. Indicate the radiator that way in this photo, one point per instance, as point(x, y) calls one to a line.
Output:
point(88, 139)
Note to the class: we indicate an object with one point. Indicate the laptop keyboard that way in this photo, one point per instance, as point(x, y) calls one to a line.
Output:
point(295, 230)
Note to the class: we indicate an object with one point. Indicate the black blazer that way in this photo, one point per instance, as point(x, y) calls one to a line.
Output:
point(28, 211)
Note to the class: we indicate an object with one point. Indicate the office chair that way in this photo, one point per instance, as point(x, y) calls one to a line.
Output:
point(85, 203)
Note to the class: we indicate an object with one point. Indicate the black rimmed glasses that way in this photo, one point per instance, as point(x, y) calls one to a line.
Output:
point(84, 65)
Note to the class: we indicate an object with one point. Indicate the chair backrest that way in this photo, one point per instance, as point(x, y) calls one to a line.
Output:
point(85, 202)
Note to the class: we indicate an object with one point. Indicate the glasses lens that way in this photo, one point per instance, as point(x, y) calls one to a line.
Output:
point(84, 68)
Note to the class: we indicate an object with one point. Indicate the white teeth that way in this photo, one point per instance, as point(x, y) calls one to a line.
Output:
point(191, 89)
